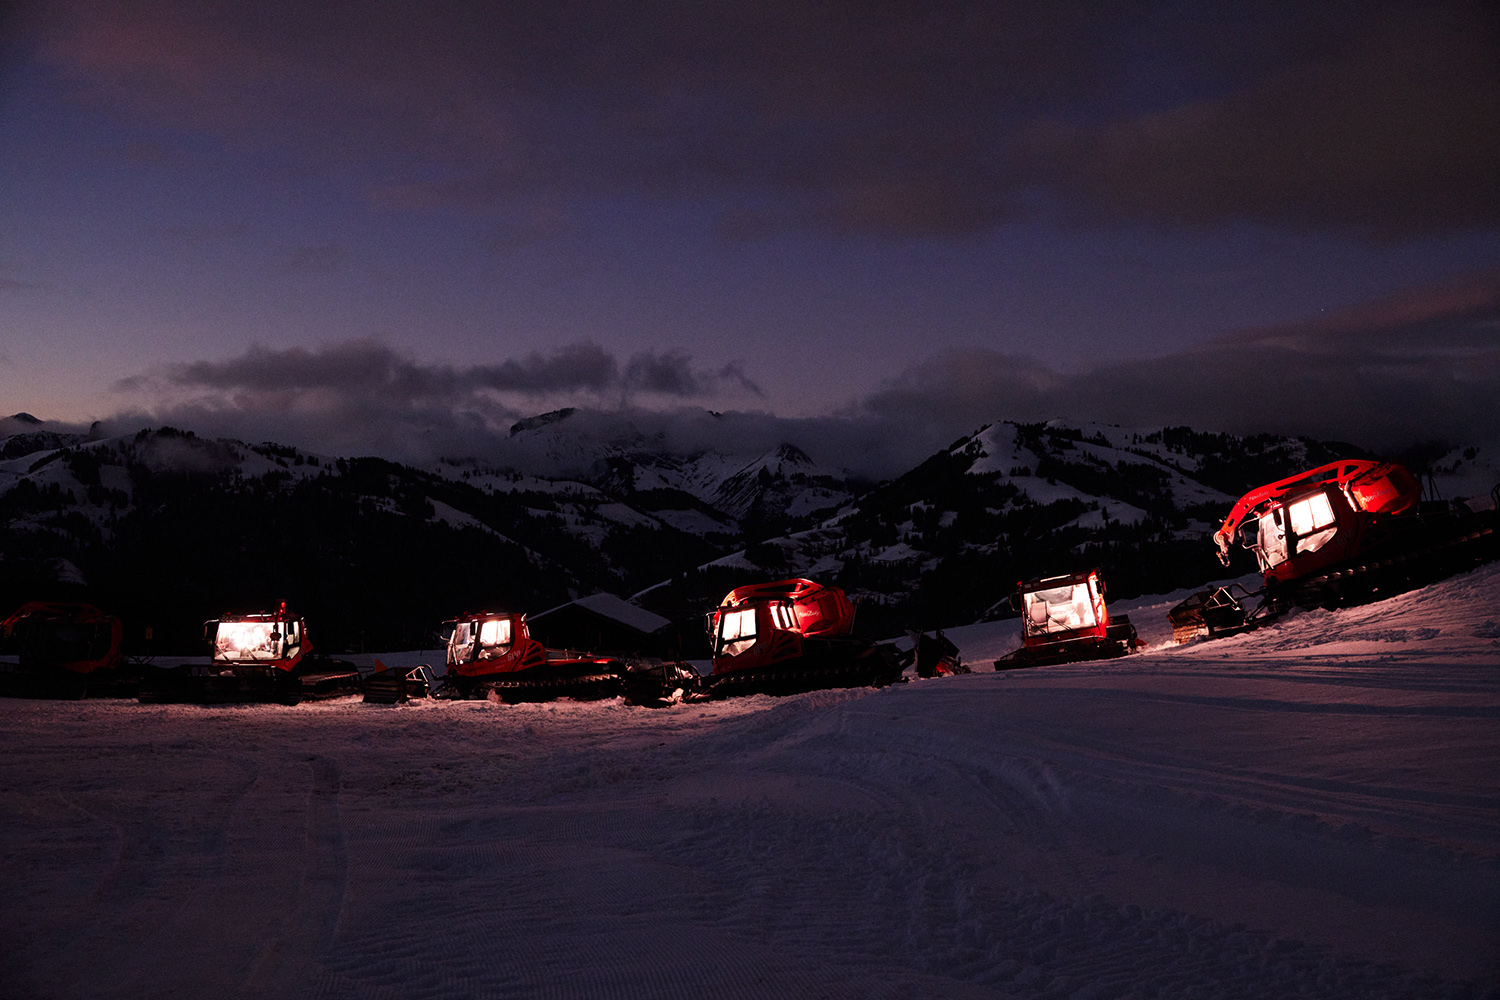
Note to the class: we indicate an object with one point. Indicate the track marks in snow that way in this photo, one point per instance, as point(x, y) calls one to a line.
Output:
point(540, 901)
point(139, 861)
point(973, 836)
point(1149, 801)
point(902, 898)
point(1251, 703)
point(1090, 948)
point(306, 934)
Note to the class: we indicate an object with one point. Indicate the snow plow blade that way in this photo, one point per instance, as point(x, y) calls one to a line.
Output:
point(204, 686)
point(934, 655)
point(654, 683)
point(1217, 613)
point(397, 686)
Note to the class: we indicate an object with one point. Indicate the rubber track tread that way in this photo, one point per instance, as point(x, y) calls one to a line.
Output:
point(793, 677)
point(1379, 578)
point(589, 687)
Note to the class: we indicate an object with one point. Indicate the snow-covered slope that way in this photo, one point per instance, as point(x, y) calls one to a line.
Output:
point(946, 542)
point(735, 476)
point(1311, 811)
point(1022, 454)
point(167, 528)
point(676, 510)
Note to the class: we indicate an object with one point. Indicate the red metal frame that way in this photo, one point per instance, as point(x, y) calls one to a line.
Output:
point(1362, 498)
point(37, 622)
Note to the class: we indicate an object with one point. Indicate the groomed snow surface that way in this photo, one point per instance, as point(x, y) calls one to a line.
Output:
point(1312, 810)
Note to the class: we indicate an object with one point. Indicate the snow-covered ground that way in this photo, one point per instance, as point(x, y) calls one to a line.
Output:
point(1311, 810)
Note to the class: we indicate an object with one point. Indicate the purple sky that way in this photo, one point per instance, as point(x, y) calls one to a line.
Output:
point(281, 219)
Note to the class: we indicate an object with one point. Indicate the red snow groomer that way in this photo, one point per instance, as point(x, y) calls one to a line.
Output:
point(254, 658)
point(63, 650)
point(1064, 620)
point(493, 653)
point(791, 636)
point(1345, 532)
point(1320, 518)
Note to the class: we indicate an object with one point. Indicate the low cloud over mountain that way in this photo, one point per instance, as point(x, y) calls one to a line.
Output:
point(365, 397)
point(1421, 366)
point(1418, 367)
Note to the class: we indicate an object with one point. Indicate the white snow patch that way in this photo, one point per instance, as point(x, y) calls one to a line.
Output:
point(624, 514)
point(454, 517)
point(1115, 510)
point(900, 552)
point(735, 560)
point(693, 522)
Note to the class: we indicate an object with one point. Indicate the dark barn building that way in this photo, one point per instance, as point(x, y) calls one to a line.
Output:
point(603, 623)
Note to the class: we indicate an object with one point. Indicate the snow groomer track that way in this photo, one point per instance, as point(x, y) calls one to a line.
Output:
point(1309, 810)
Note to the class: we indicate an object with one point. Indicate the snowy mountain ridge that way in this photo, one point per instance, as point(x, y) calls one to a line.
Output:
point(616, 454)
point(945, 543)
point(940, 545)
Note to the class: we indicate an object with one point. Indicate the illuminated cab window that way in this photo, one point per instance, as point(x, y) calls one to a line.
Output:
point(244, 641)
point(495, 632)
point(1061, 608)
point(1312, 522)
point(736, 631)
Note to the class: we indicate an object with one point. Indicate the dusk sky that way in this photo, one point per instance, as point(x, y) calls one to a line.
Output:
point(359, 224)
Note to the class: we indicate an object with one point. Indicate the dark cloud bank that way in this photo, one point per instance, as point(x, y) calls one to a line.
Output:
point(895, 119)
point(1417, 368)
point(891, 120)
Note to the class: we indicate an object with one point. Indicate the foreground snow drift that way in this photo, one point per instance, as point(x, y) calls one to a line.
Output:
point(1313, 809)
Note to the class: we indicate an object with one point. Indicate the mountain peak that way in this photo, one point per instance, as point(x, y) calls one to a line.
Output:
point(541, 420)
point(791, 453)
